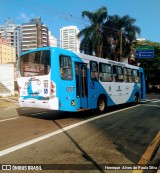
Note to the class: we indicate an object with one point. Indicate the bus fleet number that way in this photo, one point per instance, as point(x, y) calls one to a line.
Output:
point(70, 89)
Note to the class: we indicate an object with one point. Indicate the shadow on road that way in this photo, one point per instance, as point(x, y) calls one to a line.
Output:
point(130, 131)
point(84, 153)
point(56, 115)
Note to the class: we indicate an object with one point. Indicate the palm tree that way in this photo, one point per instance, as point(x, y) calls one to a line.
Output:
point(121, 31)
point(92, 37)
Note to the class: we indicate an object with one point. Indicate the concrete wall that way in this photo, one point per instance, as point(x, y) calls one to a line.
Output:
point(7, 79)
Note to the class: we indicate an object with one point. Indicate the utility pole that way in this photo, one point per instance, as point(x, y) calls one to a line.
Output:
point(120, 45)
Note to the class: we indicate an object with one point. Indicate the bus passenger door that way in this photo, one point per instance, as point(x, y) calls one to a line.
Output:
point(81, 85)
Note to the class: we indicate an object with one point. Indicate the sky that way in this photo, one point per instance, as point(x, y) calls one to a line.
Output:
point(56, 14)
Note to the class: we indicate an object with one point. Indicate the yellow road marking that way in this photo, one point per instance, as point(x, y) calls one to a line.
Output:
point(148, 153)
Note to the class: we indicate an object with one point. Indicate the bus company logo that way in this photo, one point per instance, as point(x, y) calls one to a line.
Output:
point(6, 167)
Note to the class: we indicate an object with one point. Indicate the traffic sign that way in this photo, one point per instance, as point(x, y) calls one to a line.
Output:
point(144, 47)
point(144, 52)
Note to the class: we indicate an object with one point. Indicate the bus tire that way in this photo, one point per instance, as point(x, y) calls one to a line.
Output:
point(101, 105)
point(136, 99)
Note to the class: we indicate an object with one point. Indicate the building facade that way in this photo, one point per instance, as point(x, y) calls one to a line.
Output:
point(7, 52)
point(68, 38)
point(52, 40)
point(34, 35)
point(12, 33)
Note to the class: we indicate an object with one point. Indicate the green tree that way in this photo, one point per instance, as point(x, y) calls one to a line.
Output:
point(108, 36)
point(121, 32)
point(92, 35)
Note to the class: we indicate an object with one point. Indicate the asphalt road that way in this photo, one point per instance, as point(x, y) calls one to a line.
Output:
point(77, 140)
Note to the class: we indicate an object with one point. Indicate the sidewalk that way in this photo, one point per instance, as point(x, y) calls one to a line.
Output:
point(157, 157)
point(152, 96)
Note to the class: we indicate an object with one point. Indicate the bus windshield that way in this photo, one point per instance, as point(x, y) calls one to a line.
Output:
point(35, 63)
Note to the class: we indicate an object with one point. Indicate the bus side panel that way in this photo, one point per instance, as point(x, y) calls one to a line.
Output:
point(110, 90)
point(95, 90)
point(65, 89)
point(67, 98)
point(68, 95)
point(119, 92)
point(136, 89)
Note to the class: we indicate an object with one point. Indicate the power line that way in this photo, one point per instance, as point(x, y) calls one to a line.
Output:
point(65, 16)
point(49, 11)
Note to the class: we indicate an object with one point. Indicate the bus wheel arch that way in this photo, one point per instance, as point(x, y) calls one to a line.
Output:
point(101, 104)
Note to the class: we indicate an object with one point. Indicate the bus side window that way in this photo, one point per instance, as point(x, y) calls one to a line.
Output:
point(94, 70)
point(118, 73)
point(66, 67)
point(105, 72)
point(125, 74)
point(135, 75)
point(130, 79)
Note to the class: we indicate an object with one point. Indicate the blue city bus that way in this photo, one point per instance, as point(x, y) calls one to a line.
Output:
point(59, 79)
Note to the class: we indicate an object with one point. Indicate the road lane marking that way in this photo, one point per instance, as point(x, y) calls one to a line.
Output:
point(148, 153)
point(8, 119)
point(38, 139)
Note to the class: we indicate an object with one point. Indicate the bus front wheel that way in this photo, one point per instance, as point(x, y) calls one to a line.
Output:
point(101, 105)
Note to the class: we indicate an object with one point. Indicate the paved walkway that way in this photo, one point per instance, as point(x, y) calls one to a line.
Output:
point(150, 97)
point(153, 96)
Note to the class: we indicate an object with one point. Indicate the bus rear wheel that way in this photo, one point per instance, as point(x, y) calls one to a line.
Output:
point(101, 105)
